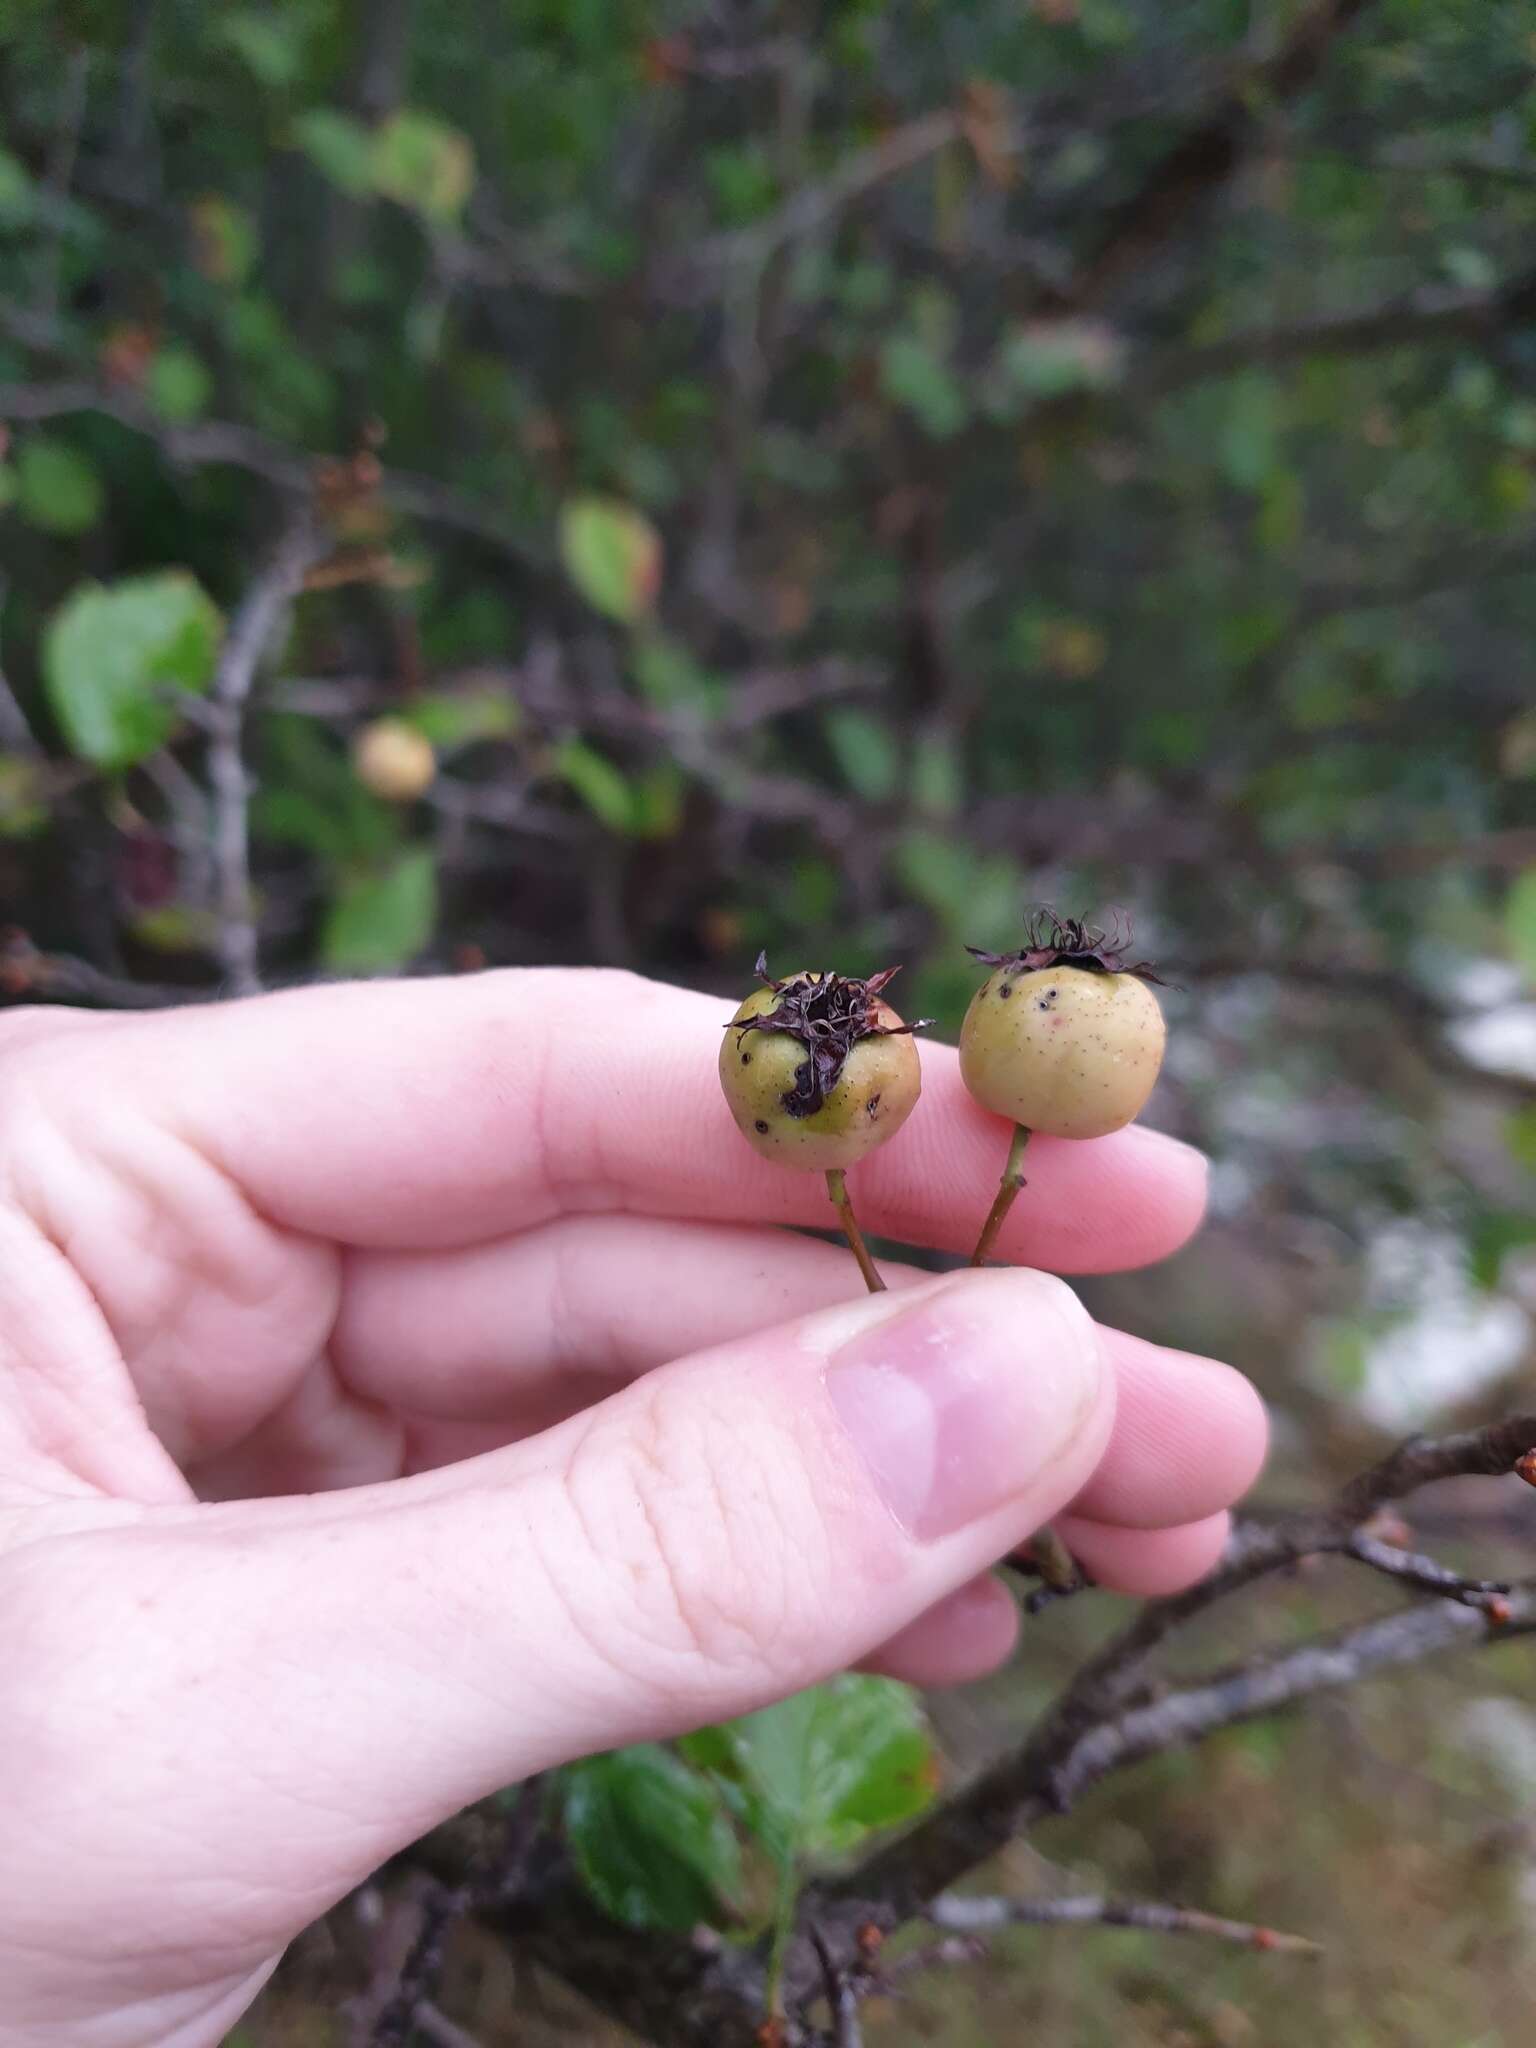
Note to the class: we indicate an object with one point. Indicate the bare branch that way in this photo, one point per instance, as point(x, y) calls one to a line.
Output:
point(842, 1998)
point(253, 628)
point(1490, 1595)
point(1433, 314)
point(963, 1914)
point(1262, 1685)
point(1208, 156)
point(216, 443)
point(1058, 1760)
point(812, 208)
point(27, 975)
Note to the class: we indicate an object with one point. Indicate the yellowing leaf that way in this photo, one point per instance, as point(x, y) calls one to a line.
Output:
point(612, 554)
point(423, 163)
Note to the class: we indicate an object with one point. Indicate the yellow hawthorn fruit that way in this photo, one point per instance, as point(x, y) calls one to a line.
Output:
point(1063, 1037)
point(818, 1070)
point(393, 759)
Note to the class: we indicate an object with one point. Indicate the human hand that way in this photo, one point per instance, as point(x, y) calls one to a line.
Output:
point(401, 1391)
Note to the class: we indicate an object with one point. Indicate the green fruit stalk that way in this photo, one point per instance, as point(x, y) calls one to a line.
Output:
point(818, 1070)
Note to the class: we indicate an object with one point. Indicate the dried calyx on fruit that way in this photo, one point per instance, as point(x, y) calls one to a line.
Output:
point(1052, 941)
point(818, 1070)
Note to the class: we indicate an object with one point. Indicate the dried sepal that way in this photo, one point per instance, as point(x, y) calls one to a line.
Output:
point(1053, 941)
point(829, 1014)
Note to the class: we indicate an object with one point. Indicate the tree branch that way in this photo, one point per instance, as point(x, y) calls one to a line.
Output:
point(1209, 155)
point(1433, 314)
point(251, 631)
point(961, 1913)
point(221, 443)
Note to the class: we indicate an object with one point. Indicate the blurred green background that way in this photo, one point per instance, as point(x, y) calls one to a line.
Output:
point(826, 477)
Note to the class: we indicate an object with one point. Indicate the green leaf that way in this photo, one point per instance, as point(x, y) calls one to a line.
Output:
point(915, 377)
point(651, 1838)
point(1052, 357)
point(23, 796)
point(15, 188)
point(603, 788)
point(1494, 1235)
point(818, 1772)
point(381, 921)
point(9, 485)
point(423, 163)
point(938, 781)
point(178, 385)
point(1250, 435)
point(1520, 1138)
point(612, 554)
point(456, 718)
point(338, 146)
point(272, 50)
point(670, 677)
point(57, 489)
point(115, 656)
point(658, 802)
point(866, 752)
point(1520, 923)
point(224, 239)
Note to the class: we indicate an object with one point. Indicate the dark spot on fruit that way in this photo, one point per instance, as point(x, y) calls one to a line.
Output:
point(746, 1059)
point(760, 1125)
point(1005, 991)
point(872, 1107)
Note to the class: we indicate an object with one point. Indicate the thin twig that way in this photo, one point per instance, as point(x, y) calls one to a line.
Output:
point(252, 630)
point(439, 2028)
point(27, 975)
point(958, 1913)
point(493, 1885)
point(1491, 1595)
point(16, 734)
point(842, 1998)
point(223, 443)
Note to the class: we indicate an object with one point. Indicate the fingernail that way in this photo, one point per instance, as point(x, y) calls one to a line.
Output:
point(958, 1402)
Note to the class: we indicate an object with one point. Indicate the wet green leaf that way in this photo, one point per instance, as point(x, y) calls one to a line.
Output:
point(651, 1838)
point(816, 1773)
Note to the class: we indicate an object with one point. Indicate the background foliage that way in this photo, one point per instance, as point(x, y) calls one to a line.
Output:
point(821, 477)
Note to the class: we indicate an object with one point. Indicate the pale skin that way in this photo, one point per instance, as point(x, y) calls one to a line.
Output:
point(376, 1367)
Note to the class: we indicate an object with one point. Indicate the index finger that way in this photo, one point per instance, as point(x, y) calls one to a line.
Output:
point(444, 1112)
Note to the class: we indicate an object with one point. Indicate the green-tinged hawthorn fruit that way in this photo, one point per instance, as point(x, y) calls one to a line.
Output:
point(818, 1069)
point(1063, 1036)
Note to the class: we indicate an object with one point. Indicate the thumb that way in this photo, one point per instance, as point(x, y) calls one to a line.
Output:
point(724, 1531)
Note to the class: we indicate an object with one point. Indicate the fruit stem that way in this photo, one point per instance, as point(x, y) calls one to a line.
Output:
point(1057, 1567)
point(1007, 1194)
point(837, 1188)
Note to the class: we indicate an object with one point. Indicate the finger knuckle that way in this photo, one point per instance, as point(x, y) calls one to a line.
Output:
point(724, 1553)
